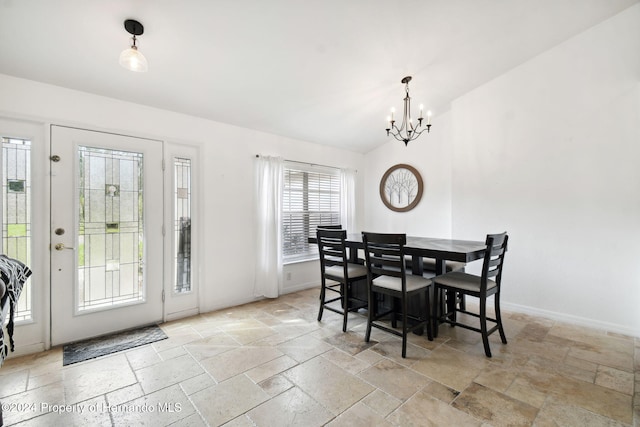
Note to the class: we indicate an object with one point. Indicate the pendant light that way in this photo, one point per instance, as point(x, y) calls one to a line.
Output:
point(132, 59)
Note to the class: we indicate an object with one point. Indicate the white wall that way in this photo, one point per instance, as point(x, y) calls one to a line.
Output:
point(430, 154)
point(227, 162)
point(550, 152)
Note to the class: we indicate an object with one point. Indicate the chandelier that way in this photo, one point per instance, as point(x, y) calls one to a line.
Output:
point(407, 130)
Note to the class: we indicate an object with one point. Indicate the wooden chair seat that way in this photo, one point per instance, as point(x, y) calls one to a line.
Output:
point(336, 272)
point(395, 283)
point(463, 281)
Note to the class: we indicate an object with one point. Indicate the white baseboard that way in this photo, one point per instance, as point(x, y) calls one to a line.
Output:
point(24, 350)
point(181, 314)
point(300, 287)
point(574, 320)
point(220, 305)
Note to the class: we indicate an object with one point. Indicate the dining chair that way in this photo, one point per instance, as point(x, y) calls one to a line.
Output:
point(481, 287)
point(337, 274)
point(387, 275)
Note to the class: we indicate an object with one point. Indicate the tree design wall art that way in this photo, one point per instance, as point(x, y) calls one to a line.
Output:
point(401, 188)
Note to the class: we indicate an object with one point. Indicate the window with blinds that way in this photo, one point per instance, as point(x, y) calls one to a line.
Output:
point(311, 197)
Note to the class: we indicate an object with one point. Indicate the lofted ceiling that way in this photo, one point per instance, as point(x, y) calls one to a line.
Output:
point(324, 71)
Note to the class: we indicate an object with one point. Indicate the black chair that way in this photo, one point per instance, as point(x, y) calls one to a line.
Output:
point(481, 287)
point(384, 254)
point(334, 267)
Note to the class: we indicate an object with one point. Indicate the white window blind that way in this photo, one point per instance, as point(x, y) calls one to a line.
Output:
point(311, 197)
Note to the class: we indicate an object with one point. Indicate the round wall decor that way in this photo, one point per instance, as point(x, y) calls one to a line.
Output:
point(401, 188)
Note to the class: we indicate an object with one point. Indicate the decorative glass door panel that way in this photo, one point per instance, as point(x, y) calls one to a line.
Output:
point(106, 222)
point(110, 228)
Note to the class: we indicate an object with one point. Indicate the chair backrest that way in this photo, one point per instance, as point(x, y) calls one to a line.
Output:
point(331, 248)
point(384, 254)
point(494, 258)
point(330, 227)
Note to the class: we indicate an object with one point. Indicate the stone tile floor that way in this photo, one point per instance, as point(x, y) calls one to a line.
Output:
point(270, 363)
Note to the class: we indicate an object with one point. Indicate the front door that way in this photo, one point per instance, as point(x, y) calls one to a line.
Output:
point(106, 233)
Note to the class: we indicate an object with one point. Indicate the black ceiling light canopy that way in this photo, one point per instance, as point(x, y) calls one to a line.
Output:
point(133, 27)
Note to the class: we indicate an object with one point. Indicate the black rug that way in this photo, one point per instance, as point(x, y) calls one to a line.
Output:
point(101, 346)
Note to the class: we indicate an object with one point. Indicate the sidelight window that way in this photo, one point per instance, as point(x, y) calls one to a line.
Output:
point(16, 211)
point(182, 224)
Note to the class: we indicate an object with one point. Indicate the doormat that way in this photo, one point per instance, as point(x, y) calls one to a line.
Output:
point(108, 344)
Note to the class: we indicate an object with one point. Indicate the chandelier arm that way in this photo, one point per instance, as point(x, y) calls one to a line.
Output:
point(397, 136)
point(398, 129)
point(416, 134)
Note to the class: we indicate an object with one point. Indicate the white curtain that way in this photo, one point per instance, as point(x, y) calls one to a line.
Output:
point(348, 200)
point(268, 225)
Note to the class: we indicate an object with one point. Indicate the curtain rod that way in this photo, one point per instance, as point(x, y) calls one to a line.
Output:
point(310, 164)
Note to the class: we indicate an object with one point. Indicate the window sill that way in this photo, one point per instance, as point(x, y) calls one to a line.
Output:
point(300, 261)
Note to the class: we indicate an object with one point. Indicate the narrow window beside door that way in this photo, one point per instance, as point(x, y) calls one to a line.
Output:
point(16, 211)
point(182, 220)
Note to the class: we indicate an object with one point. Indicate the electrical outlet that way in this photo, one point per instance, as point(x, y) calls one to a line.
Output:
point(288, 275)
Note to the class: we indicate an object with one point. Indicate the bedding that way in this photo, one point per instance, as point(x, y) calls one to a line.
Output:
point(13, 275)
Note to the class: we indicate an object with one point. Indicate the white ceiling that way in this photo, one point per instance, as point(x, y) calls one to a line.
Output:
point(325, 71)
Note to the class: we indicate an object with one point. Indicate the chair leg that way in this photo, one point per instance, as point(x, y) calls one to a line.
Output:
point(451, 305)
point(345, 305)
point(322, 296)
point(370, 314)
point(438, 309)
point(428, 313)
point(394, 311)
point(503, 337)
point(483, 326)
point(404, 326)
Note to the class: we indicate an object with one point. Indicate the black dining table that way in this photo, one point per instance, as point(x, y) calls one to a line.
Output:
point(442, 250)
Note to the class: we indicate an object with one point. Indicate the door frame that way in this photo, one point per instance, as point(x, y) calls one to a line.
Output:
point(150, 294)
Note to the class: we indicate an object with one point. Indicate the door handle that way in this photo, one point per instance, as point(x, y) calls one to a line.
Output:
point(61, 246)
